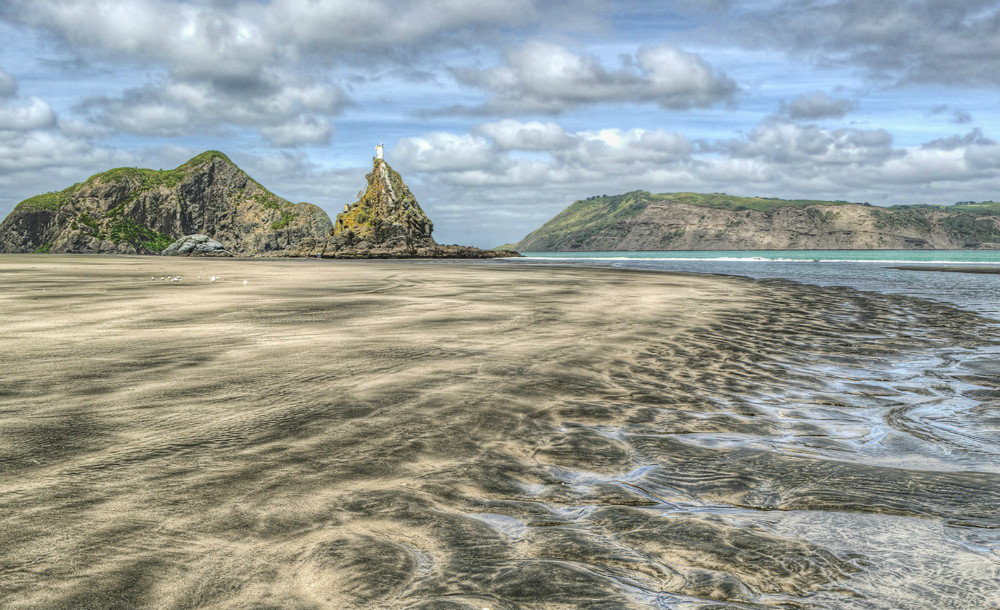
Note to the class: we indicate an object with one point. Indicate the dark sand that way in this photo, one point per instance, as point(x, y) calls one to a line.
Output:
point(950, 268)
point(407, 435)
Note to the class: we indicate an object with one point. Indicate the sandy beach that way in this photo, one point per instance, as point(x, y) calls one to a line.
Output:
point(318, 434)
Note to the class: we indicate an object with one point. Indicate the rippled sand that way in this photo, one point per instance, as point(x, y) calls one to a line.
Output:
point(308, 434)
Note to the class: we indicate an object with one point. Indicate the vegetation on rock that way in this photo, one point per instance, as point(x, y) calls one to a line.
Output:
point(386, 214)
point(131, 210)
point(640, 220)
point(723, 201)
point(140, 237)
point(134, 210)
point(45, 201)
point(386, 222)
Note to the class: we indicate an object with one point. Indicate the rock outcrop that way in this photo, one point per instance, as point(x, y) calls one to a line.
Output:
point(196, 245)
point(689, 221)
point(385, 215)
point(141, 211)
point(387, 222)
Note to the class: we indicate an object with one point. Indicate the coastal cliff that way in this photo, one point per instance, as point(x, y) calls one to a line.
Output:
point(688, 221)
point(142, 211)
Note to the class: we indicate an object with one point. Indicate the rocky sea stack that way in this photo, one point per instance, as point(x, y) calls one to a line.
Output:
point(386, 215)
point(141, 211)
point(387, 222)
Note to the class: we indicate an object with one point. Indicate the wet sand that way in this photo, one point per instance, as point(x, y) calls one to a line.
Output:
point(950, 268)
point(427, 435)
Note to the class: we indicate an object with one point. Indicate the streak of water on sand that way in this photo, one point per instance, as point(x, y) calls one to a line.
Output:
point(412, 436)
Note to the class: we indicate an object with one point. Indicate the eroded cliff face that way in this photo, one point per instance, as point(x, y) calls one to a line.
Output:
point(663, 224)
point(138, 211)
point(29, 229)
point(386, 215)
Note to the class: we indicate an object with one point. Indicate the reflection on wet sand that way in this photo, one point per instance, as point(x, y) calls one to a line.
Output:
point(399, 435)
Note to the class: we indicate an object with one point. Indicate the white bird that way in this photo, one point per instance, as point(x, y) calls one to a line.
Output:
point(245, 282)
point(213, 278)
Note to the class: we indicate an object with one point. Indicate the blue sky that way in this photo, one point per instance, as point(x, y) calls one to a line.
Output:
point(500, 114)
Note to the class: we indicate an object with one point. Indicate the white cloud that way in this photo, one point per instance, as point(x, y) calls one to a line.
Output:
point(202, 37)
point(510, 134)
point(973, 138)
point(35, 114)
point(542, 77)
point(926, 41)
point(382, 24)
point(195, 40)
point(676, 79)
point(300, 130)
point(446, 152)
point(983, 158)
point(264, 65)
point(817, 105)
point(810, 145)
point(622, 152)
point(923, 167)
point(26, 152)
point(286, 111)
point(487, 149)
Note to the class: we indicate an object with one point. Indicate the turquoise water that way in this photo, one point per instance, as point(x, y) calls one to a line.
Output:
point(859, 269)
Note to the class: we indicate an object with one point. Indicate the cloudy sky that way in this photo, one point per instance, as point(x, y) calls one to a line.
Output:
point(501, 113)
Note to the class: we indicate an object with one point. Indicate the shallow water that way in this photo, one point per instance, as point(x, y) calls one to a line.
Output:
point(387, 435)
point(870, 270)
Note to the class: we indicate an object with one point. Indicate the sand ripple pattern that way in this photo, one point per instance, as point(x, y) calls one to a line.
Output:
point(390, 435)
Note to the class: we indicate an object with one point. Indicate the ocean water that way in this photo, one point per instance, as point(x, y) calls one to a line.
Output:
point(870, 270)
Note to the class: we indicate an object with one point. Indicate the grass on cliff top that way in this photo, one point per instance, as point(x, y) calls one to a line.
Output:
point(588, 216)
point(147, 178)
point(152, 178)
point(970, 207)
point(46, 201)
point(723, 201)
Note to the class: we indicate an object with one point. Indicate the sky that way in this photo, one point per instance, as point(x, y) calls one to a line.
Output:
point(501, 113)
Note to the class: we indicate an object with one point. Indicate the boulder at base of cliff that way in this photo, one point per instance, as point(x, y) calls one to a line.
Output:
point(196, 245)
